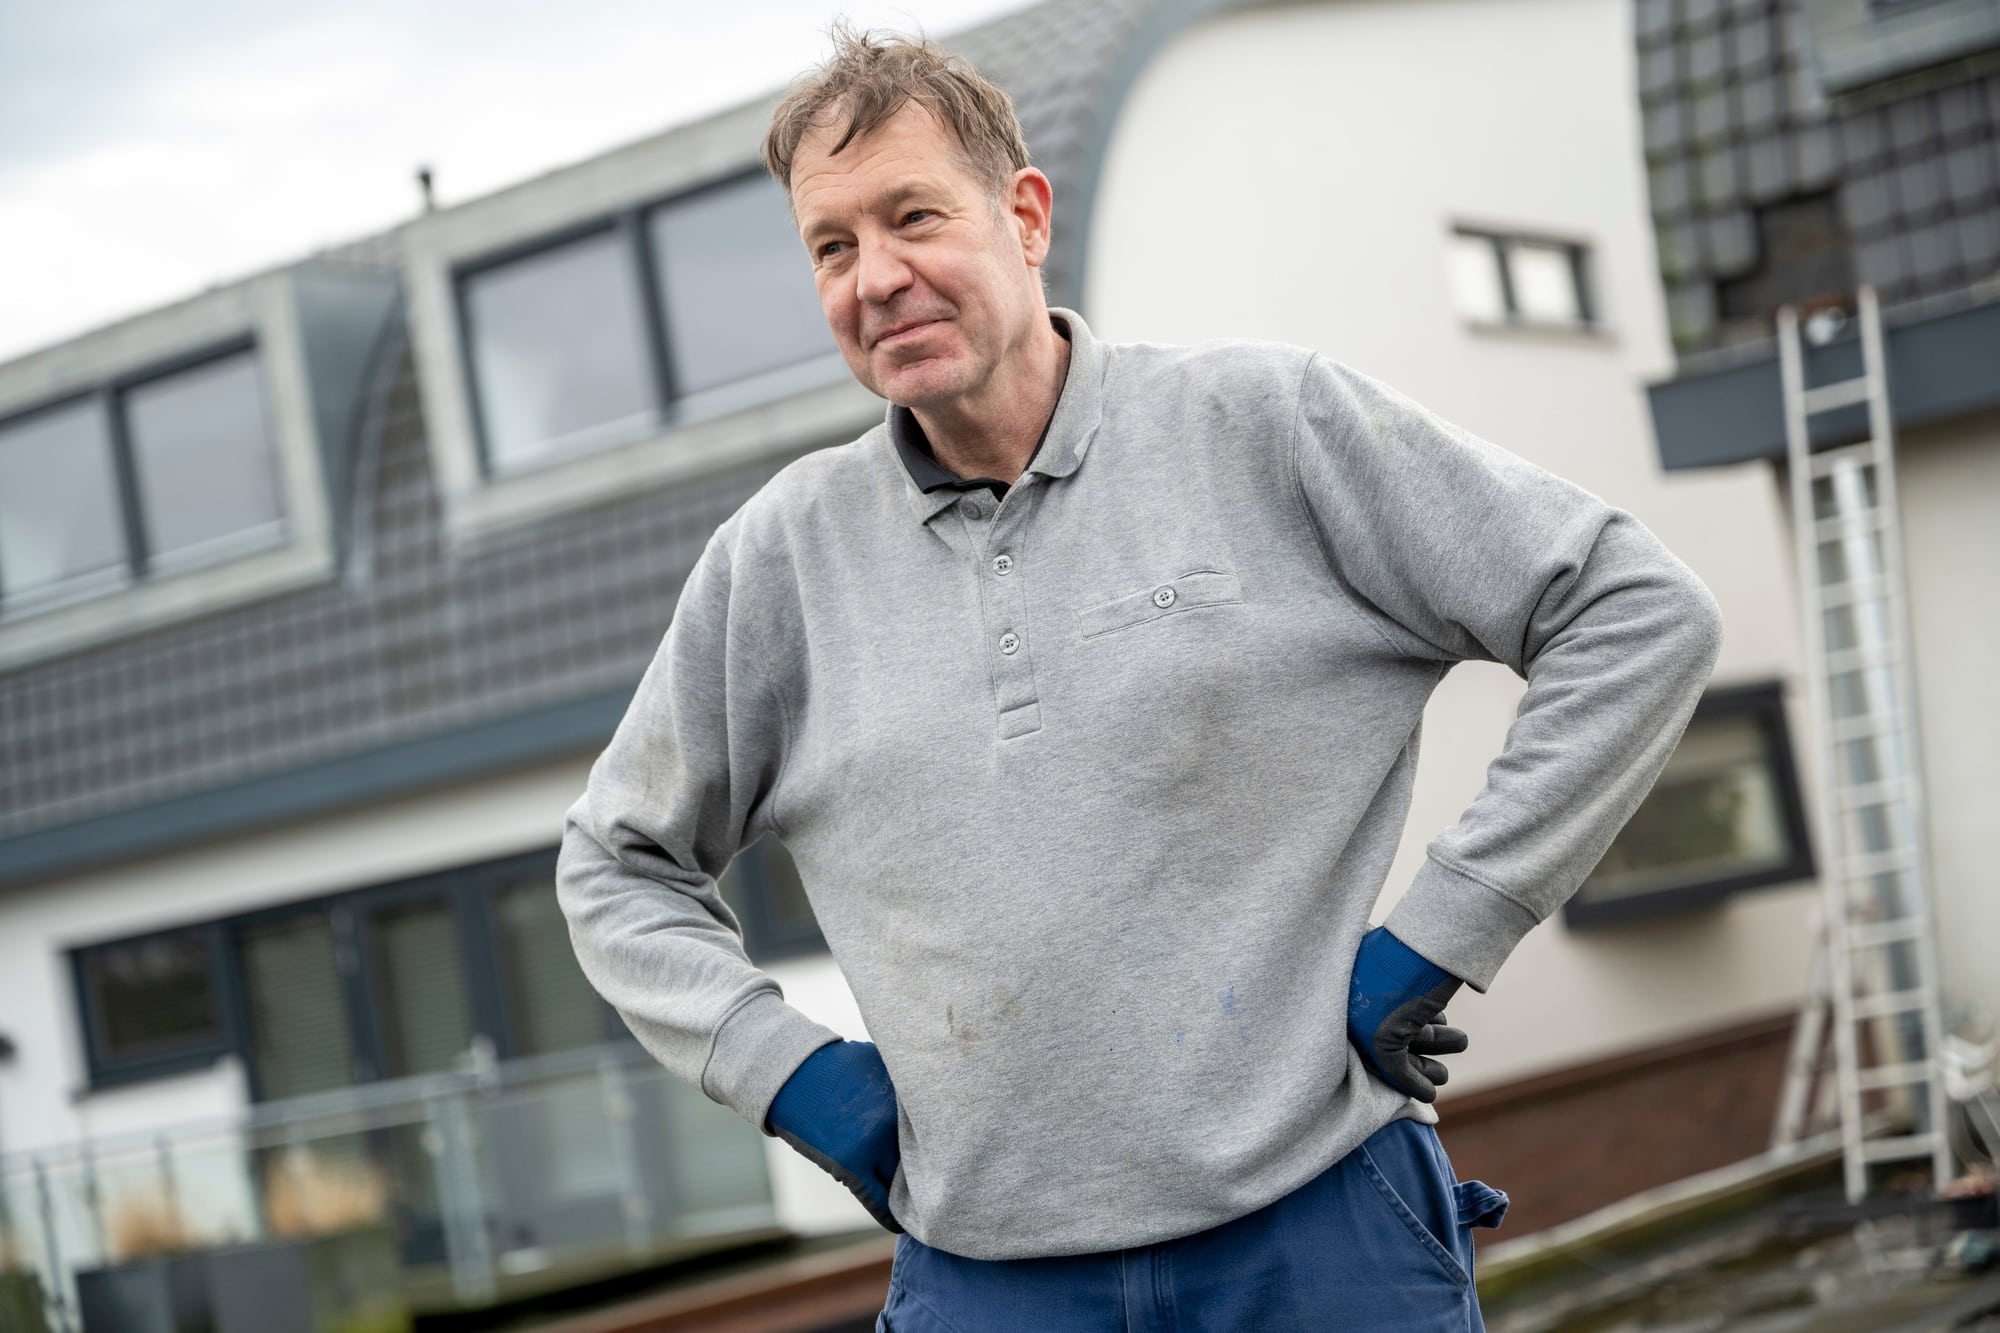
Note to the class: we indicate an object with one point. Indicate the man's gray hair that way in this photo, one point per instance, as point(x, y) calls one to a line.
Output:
point(868, 79)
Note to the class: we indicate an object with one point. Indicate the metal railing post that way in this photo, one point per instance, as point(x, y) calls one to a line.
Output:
point(462, 1204)
point(58, 1279)
point(619, 1119)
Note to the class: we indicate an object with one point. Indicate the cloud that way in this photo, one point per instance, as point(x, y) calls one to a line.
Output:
point(191, 154)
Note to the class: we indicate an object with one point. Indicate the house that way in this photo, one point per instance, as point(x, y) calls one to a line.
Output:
point(1793, 152)
point(321, 589)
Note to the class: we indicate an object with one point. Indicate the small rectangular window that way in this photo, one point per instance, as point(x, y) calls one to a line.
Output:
point(207, 468)
point(1725, 815)
point(559, 352)
point(735, 286)
point(1505, 279)
point(61, 530)
point(151, 1002)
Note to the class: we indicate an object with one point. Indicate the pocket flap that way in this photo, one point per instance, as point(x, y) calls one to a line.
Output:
point(1479, 1204)
point(1201, 587)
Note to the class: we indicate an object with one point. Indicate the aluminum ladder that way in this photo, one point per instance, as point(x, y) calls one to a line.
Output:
point(1875, 969)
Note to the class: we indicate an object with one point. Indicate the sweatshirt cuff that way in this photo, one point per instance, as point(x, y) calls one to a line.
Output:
point(1460, 924)
point(759, 1046)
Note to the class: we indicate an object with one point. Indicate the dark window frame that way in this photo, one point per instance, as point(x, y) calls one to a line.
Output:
point(1502, 243)
point(109, 396)
point(106, 1070)
point(470, 891)
point(1764, 702)
point(632, 224)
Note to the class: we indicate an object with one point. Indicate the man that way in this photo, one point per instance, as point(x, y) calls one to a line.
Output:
point(1085, 692)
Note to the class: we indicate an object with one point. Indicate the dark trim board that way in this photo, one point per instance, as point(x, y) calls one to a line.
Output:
point(1939, 368)
point(466, 753)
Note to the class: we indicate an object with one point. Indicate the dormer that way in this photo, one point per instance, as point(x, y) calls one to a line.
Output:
point(642, 318)
point(186, 460)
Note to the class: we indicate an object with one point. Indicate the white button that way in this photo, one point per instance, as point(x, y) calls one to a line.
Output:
point(1010, 643)
point(976, 508)
point(1003, 564)
point(1163, 598)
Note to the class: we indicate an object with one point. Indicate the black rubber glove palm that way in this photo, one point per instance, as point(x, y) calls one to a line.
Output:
point(1395, 1014)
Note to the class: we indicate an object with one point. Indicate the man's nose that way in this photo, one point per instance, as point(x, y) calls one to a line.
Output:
point(880, 272)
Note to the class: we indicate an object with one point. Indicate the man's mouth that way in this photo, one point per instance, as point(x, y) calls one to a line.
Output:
point(903, 331)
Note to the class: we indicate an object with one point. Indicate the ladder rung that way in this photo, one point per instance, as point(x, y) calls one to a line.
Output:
point(1865, 725)
point(1873, 793)
point(1891, 1002)
point(1894, 1076)
point(1842, 594)
point(1829, 397)
point(1855, 659)
point(1831, 461)
point(1898, 1147)
point(1857, 524)
point(1873, 935)
point(1867, 865)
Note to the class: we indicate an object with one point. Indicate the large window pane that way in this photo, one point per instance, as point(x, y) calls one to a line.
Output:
point(58, 501)
point(559, 357)
point(201, 441)
point(419, 989)
point(550, 1006)
point(298, 1019)
point(152, 997)
point(736, 287)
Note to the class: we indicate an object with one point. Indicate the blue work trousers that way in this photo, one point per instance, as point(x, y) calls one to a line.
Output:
point(1382, 1239)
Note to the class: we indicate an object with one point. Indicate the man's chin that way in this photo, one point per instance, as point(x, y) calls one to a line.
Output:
point(921, 384)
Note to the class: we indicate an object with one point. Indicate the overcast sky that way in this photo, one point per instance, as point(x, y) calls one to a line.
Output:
point(148, 150)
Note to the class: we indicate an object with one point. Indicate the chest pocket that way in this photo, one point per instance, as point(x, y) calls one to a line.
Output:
point(1189, 592)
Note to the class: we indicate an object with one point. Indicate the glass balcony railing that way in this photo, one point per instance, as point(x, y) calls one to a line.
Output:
point(484, 1186)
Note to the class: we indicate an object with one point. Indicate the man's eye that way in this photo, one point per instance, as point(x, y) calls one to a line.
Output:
point(914, 214)
point(826, 250)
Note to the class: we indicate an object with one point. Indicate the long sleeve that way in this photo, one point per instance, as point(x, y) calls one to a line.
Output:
point(686, 781)
point(1455, 549)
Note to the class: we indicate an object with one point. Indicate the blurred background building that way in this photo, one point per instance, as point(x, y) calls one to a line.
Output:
point(321, 589)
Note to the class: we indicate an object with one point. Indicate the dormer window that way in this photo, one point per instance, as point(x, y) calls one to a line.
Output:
point(185, 460)
point(632, 322)
point(657, 316)
point(734, 286)
point(558, 352)
point(207, 476)
point(61, 531)
point(141, 478)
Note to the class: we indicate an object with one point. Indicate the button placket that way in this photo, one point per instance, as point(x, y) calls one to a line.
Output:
point(1004, 603)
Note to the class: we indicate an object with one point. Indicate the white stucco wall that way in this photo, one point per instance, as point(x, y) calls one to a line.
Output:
point(1948, 477)
point(43, 1097)
point(1293, 172)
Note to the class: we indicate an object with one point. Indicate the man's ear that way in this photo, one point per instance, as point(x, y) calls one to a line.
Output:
point(1029, 201)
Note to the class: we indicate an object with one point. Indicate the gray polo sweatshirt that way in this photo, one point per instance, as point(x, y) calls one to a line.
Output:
point(1093, 789)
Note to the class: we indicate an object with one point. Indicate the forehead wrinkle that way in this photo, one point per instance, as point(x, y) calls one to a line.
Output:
point(887, 200)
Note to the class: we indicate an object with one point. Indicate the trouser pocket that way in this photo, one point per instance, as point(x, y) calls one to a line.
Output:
point(1408, 1166)
point(1479, 1204)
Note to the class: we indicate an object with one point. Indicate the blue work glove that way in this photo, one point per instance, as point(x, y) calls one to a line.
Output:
point(1395, 1014)
point(839, 1110)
